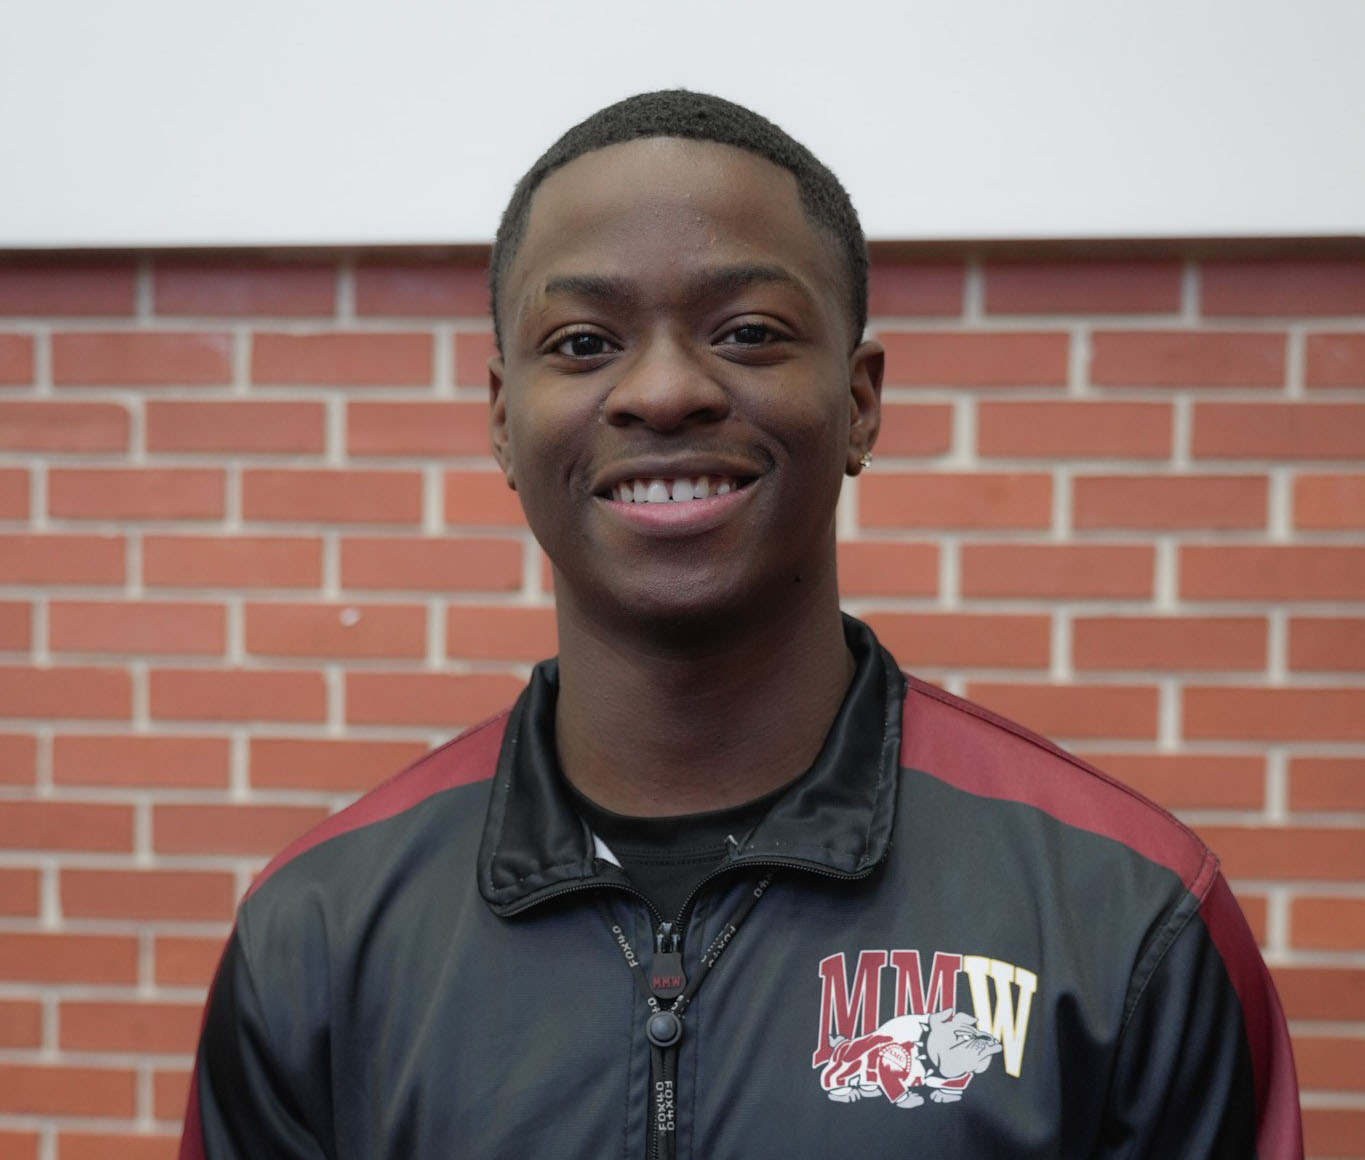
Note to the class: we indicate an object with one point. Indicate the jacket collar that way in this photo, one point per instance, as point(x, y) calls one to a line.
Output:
point(834, 819)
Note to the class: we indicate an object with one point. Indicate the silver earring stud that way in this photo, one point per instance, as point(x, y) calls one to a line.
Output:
point(865, 460)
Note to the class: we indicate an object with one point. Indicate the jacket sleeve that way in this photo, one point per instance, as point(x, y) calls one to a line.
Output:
point(247, 1096)
point(1205, 1068)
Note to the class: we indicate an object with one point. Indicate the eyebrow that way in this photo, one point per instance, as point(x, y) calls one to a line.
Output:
point(708, 284)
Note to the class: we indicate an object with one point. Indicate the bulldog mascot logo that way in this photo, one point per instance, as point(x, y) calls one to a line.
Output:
point(938, 1053)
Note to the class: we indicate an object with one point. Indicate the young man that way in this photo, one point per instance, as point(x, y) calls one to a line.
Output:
point(723, 882)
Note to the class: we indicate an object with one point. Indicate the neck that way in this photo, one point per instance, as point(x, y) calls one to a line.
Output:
point(657, 724)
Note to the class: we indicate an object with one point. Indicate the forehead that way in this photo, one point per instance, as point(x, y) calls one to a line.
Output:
point(659, 205)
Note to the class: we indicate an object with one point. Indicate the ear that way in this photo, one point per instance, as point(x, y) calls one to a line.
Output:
point(865, 367)
point(497, 419)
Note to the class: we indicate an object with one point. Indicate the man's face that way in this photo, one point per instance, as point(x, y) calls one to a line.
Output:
point(676, 327)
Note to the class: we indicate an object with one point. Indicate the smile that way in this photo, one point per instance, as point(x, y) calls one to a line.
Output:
point(680, 490)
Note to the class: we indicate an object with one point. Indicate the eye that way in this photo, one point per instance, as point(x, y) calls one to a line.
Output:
point(580, 345)
point(750, 334)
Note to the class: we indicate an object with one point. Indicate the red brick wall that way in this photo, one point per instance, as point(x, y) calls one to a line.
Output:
point(253, 557)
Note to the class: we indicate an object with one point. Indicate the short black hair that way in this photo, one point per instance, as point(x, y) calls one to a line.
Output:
point(697, 117)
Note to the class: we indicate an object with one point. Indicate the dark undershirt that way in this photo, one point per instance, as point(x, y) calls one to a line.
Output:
point(666, 858)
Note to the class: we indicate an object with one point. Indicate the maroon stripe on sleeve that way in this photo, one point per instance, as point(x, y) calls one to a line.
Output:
point(1279, 1131)
point(984, 754)
point(472, 756)
point(192, 1137)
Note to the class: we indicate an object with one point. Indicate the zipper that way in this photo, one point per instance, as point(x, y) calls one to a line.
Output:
point(668, 984)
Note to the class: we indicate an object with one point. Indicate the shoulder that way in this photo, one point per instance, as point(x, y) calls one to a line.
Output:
point(468, 760)
point(981, 753)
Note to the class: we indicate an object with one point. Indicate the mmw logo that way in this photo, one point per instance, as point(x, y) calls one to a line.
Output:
point(852, 1007)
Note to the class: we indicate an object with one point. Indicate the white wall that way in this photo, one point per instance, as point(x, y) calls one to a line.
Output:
point(176, 122)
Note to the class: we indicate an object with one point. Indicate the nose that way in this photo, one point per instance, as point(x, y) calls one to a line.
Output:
point(665, 387)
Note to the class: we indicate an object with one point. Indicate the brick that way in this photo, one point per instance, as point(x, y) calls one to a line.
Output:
point(1189, 781)
point(1288, 852)
point(18, 1145)
point(232, 561)
point(436, 429)
point(18, 759)
point(1202, 644)
point(86, 827)
point(342, 359)
point(1058, 571)
point(238, 288)
point(1327, 783)
point(1327, 643)
point(325, 495)
point(887, 568)
point(1249, 713)
point(500, 633)
point(332, 765)
point(186, 960)
point(18, 895)
point(963, 640)
point(1330, 993)
point(1279, 431)
point(442, 565)
point(135, 493)
point(438, 699)
point(43, 1090)
point(1050, 429)
point(976, 359)
point(421, 290)
point(1327, 924)
point(1271, 572)
point(1335, 360)
point(16, 622)
point(154, 1028)
point(61, 559)
point(473, 349)
point(229, 829)
point(40, 287)
point(481, 498)
point(68, 692)
point(172, 760)
point(149, 895)
point(1329, 502)
point(1213, 502)
point(227, 426)
point(1330, 1062)
point(67, 958)
point(336, 630)
point(1082, 287)
point(82, 1146)
point(915, 288)
point(16, 360)
point(1254, 909)
point(236, 695)
point(21, 1025)
point(1074, 711)
point(170, 1094)
point(128, 626)
point(14, 493)
point(141, 358)
point(1187, 358)
point(944, 500)
point(1279, 287)
point(915, 429)
point(33, 425)
point(1333, 1131)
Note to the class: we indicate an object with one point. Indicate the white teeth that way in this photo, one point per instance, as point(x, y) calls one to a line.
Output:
point(671, 490)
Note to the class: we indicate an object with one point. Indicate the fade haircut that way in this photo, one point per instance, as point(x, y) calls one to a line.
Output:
point(696, 117)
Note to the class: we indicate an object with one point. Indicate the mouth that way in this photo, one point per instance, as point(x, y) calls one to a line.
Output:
point(674, 489)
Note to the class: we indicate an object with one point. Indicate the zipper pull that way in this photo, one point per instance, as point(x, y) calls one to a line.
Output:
point(666, 978)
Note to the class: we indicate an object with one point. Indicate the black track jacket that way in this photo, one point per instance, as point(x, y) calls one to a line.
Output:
point(973, 945)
